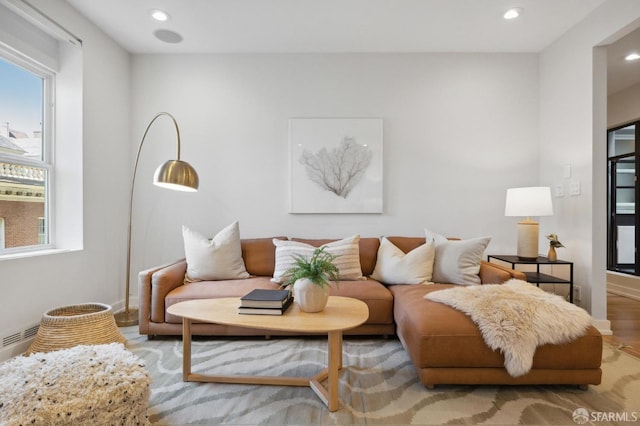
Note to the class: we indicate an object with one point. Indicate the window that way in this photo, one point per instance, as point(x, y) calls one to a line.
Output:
point(40, 200)
point(1, 232)
point(25, 167)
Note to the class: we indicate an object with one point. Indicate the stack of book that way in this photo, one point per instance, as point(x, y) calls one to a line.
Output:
point(265, 302)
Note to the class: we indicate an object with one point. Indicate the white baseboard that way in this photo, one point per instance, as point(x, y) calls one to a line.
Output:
point(621, 290)
point(17, 341)
point(623, 285)
point(603, 326)
point(15, 350)
point(119, 306)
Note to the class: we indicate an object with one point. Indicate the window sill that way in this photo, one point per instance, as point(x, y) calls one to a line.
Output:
point(34, 253)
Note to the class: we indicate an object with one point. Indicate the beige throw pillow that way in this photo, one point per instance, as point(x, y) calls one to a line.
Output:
point(393, 266)
point(347, 250)
point(217, 259)
point(457, 261)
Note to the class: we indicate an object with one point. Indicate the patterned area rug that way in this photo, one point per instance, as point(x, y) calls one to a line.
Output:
point(378, 385)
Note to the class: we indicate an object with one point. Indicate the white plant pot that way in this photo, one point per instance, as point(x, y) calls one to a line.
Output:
point(309, 296)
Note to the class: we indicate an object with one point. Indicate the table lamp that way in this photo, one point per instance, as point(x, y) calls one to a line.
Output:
point(527, 202)
point(172, 174)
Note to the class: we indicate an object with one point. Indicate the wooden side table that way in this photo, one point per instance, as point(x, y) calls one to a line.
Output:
point(538, 277)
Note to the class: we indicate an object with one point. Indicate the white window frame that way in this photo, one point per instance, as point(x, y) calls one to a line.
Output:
point(48, 114)
point(1, 232)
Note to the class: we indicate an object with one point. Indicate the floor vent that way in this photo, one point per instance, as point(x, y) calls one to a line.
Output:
point(20, 336)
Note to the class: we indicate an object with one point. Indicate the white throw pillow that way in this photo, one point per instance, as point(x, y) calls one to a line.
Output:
point(457, 261)
point(217, 259)
point(347, 251)
point(393, 266)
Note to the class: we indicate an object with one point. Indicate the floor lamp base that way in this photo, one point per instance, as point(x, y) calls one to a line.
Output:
point(126, 318)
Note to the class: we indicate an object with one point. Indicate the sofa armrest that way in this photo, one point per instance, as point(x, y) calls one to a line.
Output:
point(492, 273)
point(153, 286)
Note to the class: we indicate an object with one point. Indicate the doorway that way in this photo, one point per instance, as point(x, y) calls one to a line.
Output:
point(623, 193)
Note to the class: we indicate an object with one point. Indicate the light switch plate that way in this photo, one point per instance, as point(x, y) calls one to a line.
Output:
point(574, 187)
point(558, 190)
point(566, 171)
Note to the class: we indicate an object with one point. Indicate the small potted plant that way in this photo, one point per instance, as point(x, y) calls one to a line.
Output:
point(311, 278)
point(553, 244)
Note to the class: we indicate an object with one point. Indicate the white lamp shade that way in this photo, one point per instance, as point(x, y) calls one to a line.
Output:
point(530, 201)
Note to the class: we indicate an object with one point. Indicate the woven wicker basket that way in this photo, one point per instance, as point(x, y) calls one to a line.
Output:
point(68, 326)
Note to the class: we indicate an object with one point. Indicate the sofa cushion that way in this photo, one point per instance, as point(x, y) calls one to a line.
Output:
point(347, 260)
point(377, 297)
point(217, 259)
point(393, 266)
point(457, 262)
point(368, 248)
point(259, 255)
point(214, 289)
point(438, 336)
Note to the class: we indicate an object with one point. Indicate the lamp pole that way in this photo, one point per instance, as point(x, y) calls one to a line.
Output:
point(172, 174)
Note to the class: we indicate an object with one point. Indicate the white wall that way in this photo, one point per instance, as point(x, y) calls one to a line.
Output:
point(458, 130)
point(31, 286)
point(623, 107)
point(573, 131)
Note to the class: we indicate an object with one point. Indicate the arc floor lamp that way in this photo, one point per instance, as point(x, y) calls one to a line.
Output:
point(172, 174)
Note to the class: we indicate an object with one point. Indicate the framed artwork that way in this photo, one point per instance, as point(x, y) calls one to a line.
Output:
point(335, 165)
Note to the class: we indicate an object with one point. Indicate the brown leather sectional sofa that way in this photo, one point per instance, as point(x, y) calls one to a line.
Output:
point(444, 345)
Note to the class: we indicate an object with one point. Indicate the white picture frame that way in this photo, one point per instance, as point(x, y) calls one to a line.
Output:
point(335, 165)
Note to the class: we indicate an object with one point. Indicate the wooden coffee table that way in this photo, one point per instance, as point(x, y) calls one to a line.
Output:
point(341, 313)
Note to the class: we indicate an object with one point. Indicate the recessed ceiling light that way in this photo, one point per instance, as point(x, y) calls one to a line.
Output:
point(512, 13)
point(159, 15)
point(632, 56)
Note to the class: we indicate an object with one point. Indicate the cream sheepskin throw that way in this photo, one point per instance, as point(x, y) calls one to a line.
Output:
point(83, 385)
point(516, 317)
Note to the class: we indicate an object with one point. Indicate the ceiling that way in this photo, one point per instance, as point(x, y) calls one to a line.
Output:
point(284, 26)
point(620, 73)
point(337, 25)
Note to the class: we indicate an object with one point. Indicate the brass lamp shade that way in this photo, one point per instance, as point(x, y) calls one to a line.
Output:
point(178, 175)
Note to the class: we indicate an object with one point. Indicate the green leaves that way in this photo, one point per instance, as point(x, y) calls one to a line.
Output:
point(319, 269)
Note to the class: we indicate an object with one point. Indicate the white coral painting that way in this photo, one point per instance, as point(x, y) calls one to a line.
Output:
point(336, 165)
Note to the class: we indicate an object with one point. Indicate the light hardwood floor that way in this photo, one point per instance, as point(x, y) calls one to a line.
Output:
point(624, 314)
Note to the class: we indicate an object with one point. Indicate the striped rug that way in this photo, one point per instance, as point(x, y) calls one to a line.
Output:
point(377, 386)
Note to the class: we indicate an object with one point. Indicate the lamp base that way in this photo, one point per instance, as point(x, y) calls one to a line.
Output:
point(527, 258)
point(126, 318)
point(528, 239)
